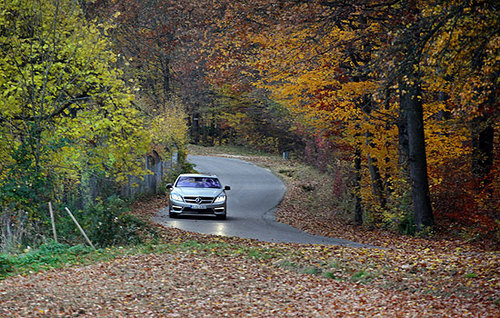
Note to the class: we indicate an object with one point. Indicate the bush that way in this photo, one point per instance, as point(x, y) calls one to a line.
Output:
point(46, 256)
point(51, 248)
point(5, 265)
point(107, 223)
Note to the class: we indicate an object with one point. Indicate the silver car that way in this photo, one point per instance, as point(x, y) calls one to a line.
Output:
point(197, 194)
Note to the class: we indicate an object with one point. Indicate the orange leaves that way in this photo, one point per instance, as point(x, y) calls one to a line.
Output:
point(340, 71)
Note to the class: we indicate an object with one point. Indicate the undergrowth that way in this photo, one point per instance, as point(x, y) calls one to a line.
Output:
point(57, 255)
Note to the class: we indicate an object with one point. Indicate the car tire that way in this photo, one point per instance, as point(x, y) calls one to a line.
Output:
point(221, 216)
point(172, 215)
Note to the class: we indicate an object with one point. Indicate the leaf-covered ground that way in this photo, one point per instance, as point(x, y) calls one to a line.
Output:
point(191, 285)
point(196, 275)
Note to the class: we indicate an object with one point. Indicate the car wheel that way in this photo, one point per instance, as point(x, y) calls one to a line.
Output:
point(171, 214)
point(221, 216)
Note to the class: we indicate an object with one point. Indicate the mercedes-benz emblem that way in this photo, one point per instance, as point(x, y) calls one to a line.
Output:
point(198, 200)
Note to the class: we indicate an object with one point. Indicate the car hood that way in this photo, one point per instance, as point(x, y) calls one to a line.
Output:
point(206, 192)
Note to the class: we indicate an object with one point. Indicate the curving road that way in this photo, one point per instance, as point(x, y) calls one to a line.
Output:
point(255, 193)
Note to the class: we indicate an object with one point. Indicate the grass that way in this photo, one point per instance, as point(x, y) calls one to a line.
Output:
point(332, 270)
point(311, 270)
point(56, 255)
point(287, 264)
point(287, 172)
point(330, 275)
point(471, 275)
point(335, 264)
point(362, 276)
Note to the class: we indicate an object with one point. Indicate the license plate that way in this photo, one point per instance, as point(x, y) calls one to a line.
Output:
point(198, 207)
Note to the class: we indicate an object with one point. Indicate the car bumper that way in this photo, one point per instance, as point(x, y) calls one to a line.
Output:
point(182, 208)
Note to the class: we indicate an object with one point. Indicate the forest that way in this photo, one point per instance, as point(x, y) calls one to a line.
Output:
point(398, 99)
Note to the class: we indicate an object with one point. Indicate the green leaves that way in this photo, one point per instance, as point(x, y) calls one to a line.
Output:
point(64, 109)
point(60, 79)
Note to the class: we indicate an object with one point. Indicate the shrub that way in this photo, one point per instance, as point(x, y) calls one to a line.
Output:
point(107, 223)
point(5, 264)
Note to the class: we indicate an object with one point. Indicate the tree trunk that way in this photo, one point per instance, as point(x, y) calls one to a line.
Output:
point(377, 183)
point(412, 107)
point(358, 212)
point(376, 179)
point(404, 152)
point(195, 128)
point(483, 135)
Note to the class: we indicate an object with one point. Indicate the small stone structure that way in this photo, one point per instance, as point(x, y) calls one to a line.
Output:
point(155, 165)
point(150, 183)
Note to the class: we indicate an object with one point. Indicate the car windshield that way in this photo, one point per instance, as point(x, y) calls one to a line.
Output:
point(198, 182)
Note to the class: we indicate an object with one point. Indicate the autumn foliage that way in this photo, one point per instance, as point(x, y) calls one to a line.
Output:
point(396, 98)
point(357, 76)
point(71, 130)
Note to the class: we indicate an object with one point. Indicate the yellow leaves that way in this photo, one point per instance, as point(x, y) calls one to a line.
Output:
point(234, 119)
point(357, 89)
point(333, 82)
point(168, 128)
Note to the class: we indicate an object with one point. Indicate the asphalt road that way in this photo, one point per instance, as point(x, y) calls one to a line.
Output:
point(255, 193)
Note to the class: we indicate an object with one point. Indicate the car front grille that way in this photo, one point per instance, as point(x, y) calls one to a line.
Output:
point(201, 200)
point(196, 211)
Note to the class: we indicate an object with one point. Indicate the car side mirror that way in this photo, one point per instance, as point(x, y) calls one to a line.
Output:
point(227, 188)
point(169, 186)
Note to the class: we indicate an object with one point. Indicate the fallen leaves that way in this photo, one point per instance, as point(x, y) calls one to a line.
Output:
point(198, 275)
point(185, 285)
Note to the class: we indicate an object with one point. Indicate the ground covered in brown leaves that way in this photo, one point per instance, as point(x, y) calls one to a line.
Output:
point(195, 275)
point(187, 285)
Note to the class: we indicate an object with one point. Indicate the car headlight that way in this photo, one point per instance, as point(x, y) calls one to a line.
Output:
point(220, 199)
point(176, 197)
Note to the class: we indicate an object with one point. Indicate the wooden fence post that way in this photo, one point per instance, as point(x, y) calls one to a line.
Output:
point(52, 221)
point(80, 228)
